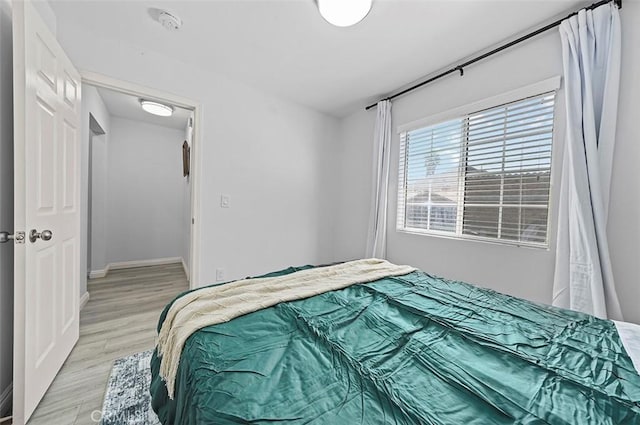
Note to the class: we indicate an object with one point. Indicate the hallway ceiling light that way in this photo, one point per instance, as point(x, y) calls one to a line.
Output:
point(344, 13)
point(156, 108)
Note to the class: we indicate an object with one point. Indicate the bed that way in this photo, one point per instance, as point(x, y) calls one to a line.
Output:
point(407, 349)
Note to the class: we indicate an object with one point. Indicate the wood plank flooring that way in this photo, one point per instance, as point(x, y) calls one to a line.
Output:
point(120, 319)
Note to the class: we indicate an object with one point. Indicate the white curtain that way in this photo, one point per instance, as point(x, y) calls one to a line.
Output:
point(377, 235)
point(583, 278)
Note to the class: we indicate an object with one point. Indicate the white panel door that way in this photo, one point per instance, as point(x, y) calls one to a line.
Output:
point(47, 200)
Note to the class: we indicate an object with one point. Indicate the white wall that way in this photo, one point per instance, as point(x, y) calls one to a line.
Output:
point(145, 191)
point(270, 156)
point(92, 104)
point(47, 14)
point(6, 204)
point(523, 272)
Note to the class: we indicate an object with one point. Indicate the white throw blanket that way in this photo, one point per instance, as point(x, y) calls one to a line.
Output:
point(220, 304)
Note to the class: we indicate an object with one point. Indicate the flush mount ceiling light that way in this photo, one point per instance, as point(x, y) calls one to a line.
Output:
point(156, 108)
point(344, 13)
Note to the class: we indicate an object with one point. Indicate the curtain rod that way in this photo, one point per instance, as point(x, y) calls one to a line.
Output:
point(460, 68)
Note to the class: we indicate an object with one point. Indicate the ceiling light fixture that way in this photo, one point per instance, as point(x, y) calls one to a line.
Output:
point(344, 13)
point(156, 108)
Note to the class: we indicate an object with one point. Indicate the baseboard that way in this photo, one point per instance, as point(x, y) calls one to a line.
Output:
point(84, 299)
point(143, 263)
point(95, 274)
point(5, 400)
point(186, 269)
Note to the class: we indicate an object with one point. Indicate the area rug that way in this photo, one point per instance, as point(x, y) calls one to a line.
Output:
point(127, 400)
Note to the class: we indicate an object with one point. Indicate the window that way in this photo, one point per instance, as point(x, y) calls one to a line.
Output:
point(485, 175)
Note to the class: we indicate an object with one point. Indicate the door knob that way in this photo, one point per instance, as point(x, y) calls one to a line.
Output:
point(45, 235)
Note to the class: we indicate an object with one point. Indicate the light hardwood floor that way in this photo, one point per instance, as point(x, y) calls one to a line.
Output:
point(120, 319)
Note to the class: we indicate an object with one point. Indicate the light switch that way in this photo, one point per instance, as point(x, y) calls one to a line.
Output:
point(224, 201)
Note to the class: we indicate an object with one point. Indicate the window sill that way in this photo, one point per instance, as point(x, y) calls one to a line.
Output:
point(502, 242)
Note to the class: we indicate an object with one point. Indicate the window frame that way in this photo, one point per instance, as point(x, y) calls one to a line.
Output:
point(543, 87)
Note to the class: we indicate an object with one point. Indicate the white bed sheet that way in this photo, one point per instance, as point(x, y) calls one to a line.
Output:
point(630, 336)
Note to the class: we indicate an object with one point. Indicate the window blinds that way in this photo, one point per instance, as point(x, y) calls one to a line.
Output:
point(485, 175)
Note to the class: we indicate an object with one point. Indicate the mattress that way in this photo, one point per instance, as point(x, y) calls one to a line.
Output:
point(405, 350)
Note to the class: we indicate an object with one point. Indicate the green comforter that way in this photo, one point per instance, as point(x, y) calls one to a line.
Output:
point(414, 349)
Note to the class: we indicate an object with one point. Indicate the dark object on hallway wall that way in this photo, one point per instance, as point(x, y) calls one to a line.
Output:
point(186, 159)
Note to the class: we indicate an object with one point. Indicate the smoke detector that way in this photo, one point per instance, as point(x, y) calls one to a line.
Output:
point(169, 21)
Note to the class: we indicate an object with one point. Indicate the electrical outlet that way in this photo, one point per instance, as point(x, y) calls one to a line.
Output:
point(219, 275)
point(224, 201)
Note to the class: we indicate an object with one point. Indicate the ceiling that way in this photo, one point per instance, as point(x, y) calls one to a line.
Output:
point(127, 106)
point(285, 48)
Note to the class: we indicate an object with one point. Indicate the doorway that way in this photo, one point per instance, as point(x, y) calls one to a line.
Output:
point(142, 174)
